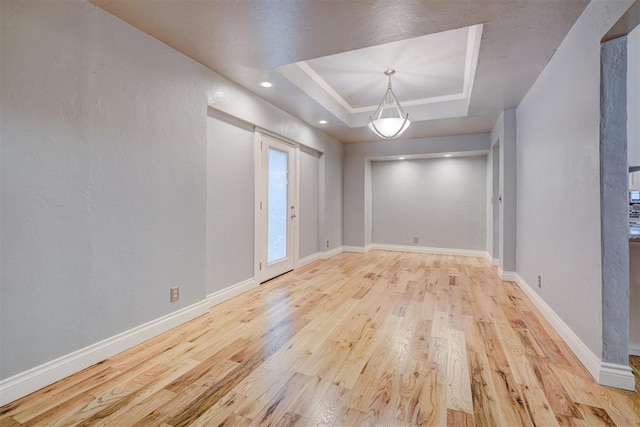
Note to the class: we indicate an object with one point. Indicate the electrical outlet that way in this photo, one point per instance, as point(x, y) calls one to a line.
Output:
point(327, 243)
point(540, 281)
point(174, 294)
point(415, 240)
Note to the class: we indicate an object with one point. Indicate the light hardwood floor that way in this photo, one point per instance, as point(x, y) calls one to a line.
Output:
point(382, 339)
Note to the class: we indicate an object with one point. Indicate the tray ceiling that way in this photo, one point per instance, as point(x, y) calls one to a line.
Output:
point(427, 67)
point(434, 76)
point(310, 48)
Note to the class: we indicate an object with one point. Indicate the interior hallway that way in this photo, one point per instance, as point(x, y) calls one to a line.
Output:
point(383, 338)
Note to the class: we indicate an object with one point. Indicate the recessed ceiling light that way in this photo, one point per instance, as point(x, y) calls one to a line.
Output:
point(400, 158)
point(266, 84)
point(322, 122)
point(447, 155)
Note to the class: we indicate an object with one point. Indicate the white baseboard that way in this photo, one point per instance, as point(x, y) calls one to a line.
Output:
point(357, 249)
point(507, 276)
point(616, 375)
point(609, 374)
point(488, 256)
point(307, 260)
point(319, 255)
point(495, 262)
point(331, 253)
point(634, 349)
point(220, 296)
point(428, 250)
point(41, 376)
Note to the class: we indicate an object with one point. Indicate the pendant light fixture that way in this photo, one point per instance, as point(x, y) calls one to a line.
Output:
point(389, 121)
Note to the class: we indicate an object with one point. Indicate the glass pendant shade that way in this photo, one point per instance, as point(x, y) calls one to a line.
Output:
point(389, 127)
point(389, 121)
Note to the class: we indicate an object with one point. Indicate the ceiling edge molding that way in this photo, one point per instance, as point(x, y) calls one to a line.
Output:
point(439, 155)
point(475, 36)
point(324, 85)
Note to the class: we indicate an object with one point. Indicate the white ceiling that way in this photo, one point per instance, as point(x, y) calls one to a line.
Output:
point(326, 58)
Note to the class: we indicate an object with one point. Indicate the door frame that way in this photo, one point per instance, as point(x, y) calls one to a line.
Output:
point(260, 198)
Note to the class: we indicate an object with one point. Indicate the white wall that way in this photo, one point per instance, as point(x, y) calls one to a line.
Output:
point(357, 174)
point(104, 177)
point(633, 96)
point(440, 201)
point(230, 207)
point(558, 177)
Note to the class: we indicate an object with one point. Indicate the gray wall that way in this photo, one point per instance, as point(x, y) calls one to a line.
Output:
point(558, 177)
point(230, 201)
point(633, 135)
point(614, 201)
point(357, 172)
point(440, 201)
point(493, 186)
point(353, 199)
point(488, 214)
point(308, 204)
point(104, 177)
point(230, 208)
point(368, 206)
point(495, 203)
point(104, 180)
point(504, 134)
point(331, 195)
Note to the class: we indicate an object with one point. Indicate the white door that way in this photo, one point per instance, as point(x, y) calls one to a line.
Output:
point(276, 223)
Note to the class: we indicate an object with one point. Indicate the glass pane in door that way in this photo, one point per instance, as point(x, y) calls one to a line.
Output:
point(277, 205)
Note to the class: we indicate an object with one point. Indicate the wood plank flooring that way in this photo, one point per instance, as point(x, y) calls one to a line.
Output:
point(380, 339)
